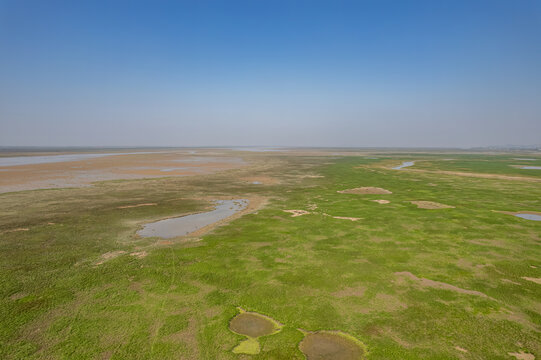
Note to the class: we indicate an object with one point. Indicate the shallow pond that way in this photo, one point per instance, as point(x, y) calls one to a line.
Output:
point(325, 345)
point(252, 325)
point(183, 225)
point(404, 164)
point(529, 216)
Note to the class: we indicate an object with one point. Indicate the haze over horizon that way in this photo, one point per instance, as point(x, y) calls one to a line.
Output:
point(281, 73)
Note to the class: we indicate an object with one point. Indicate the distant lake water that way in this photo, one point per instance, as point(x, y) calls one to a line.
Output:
point(44, 159)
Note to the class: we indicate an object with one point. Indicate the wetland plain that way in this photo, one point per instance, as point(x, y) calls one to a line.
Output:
point(290, 254)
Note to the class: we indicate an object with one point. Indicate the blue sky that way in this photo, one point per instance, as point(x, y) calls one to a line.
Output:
point(284, 73)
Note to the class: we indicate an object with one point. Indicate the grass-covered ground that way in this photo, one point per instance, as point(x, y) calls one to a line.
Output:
point(409, 283)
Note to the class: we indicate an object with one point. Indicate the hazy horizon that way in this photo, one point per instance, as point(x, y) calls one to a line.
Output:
point(395, 74)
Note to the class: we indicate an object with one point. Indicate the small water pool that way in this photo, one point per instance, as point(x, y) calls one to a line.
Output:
point(184, 225)
point(404, 164)
point(533, 217)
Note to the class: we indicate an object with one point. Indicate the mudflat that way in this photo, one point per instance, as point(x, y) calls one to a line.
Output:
point(75, 170)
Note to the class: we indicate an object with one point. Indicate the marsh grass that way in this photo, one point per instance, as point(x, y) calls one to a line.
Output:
point(56, 303)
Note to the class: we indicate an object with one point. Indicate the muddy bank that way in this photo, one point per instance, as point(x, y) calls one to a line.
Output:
point(331, 345)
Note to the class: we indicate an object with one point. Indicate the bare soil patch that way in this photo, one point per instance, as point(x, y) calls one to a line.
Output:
point(139, 254)
point(368, 190)
point(522, 355)
point(430, 205)
point(14, 230)
point(324, 345)
point(346, 218)
point(461, 349)
point(17, 296)
point(296, 213)
point(535, 280)
point(437, 284)
point(343, 217)
point(381, 201)
point(134, 206)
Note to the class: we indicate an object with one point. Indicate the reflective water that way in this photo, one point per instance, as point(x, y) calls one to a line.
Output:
point(184, 225)
point(404, 164)
point(529, 216)
point(43, 159)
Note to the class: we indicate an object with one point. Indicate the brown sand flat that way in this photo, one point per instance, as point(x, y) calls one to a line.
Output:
point(431, 205)
point(131, 166)
point(365, 190)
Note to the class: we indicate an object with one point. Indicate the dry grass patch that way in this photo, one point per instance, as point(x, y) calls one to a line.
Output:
point(477, 175)
point(110, 255)
point(437, 284)
point(134, 206)
point(265, 180)
point(430, 205)
point(14, 230)
point(367, 190)
point(350, 291)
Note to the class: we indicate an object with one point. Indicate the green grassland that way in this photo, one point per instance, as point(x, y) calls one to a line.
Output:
point(312, 272)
